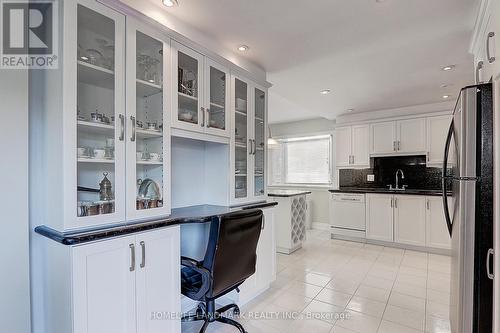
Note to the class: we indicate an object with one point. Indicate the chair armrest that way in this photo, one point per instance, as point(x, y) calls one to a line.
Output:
point(206, 275)
point(189, 262)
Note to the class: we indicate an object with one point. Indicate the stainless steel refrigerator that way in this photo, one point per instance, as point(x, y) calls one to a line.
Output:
point(468, 178)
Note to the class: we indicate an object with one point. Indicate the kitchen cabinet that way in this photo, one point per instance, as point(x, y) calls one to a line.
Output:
point(248, 141)
point(411, 135)
point(200, 93)
point(352, 146)
point(290, 221)
point(148, 123)
point(265, 269)
point(380, 217)
point(401, 136)
point(409, 219)
point(436, 228)
point(119, 284)
point(437, 130)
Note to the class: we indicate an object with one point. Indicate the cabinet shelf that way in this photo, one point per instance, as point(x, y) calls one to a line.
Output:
point(146, 89)
point(241, 113)
point(95, 75)
point(240, 145)
point(259, 119)
point(219, 106)
point(147, 134)
point(183, 95)
point(95, 128)
point(95, 160)
point(240, 174)
point(149, 162)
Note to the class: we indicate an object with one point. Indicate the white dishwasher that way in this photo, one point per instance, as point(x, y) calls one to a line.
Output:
point(347, 214)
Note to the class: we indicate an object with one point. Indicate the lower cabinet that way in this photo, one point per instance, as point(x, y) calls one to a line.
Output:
point(379, 217)
point(407, 219)
point(129, 284)
point(265, 270)
point(437, 230)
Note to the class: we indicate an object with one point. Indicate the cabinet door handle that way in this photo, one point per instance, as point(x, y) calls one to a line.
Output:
point(427, 204)
point(208, 117)
point(203, 117)
point(491, 59)
point(250, 146)
point(392, 202)
point(263, 222)
point(254, 147)
point(491, 252)
point(132, 255)
point(394, 145)
point(478, 69)
point(122, 127)
point(399, 145)
point(132, 138)
point(143, 258)
point(395, 202)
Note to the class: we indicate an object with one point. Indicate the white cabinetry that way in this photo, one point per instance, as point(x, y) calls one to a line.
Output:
point(411, 135)
point(248, 141)
point(436, 228)
point(265, 270)
point(402, 136)
point(383, 137)
point(352, 146)
point(437, 129)
point(409, 219)
point(379, 217)
point(200, 93)
point(115, 285)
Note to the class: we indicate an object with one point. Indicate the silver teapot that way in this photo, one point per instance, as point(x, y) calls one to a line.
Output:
point(105, 189)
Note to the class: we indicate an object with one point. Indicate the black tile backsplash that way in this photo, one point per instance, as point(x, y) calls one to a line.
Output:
point(417, 174)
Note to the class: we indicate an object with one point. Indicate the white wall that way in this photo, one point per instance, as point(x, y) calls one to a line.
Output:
point(319, 196)
point(14, 275)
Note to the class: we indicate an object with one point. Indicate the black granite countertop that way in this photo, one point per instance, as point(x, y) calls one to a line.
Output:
point(286, 193)
point(408, 191)
point(192, 214)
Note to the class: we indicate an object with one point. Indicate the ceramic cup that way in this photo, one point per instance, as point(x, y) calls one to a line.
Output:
point(155, 156)
point(99, 153)
point(82, 152)
point(110, 142)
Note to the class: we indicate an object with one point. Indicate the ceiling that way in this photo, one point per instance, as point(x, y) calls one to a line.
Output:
point(372, 55)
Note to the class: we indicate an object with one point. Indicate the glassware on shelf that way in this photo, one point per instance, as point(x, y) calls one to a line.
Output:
point(94, 57)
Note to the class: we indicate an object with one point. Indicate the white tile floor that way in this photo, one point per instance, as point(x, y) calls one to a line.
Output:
point(374, 289)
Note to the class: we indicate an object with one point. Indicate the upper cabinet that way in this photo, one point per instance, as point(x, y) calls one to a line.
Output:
point(148, 123)
point(248, 141)
point(352, 146)
point(402, 136)
point(93, 115)
point(201, 93)
point(437, 130)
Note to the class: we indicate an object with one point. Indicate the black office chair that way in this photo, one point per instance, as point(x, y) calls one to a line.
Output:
point(229, 260)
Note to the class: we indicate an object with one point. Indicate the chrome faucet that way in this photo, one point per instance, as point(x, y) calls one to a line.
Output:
point(397, 179)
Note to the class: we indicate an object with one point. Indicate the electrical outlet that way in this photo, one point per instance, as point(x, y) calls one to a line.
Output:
point(370, 178)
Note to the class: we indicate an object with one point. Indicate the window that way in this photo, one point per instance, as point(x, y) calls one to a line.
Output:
point(301, 161)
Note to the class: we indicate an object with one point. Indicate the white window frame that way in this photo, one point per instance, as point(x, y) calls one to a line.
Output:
point(284, 169)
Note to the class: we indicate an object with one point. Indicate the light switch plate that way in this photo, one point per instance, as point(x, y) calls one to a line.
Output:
point(371, 178)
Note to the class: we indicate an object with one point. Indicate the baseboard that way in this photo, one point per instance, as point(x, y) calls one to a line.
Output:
point(320, 226)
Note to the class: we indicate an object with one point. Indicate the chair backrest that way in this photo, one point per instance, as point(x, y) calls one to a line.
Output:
point(231, 252)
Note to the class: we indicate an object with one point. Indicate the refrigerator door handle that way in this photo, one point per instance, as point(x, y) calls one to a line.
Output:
point(491, 252)
point(445, 179)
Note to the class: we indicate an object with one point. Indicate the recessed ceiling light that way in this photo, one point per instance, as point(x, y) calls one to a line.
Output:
point(243, 48)
point(448, 68)
point(325, 92)
point(444, 85)
point(171, 3)
point(446, 96)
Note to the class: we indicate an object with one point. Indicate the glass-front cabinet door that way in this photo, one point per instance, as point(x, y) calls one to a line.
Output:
point(242, 138)
point(216, 98)
point(99, 115)
point(148, 138)
point(259, 142)
point(188, 97)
